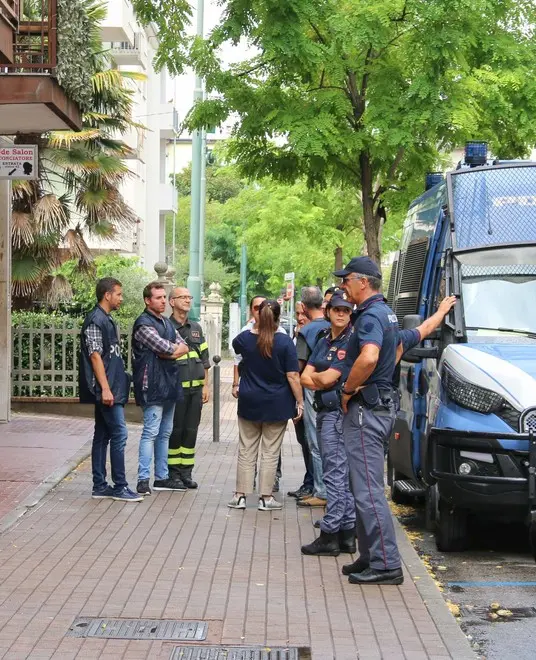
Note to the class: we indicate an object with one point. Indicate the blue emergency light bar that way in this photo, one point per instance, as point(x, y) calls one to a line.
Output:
point(476, 153)
point(432, 179)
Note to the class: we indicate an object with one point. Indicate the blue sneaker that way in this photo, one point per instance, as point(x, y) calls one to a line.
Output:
point(106, 493)
point(126, 495)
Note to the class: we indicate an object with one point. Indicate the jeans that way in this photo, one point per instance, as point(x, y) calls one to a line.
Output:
point(309, 419)
point(308, 481)
point(110, 428)
point(157, 427)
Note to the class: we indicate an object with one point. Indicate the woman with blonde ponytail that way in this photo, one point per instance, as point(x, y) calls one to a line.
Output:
point(269, 395)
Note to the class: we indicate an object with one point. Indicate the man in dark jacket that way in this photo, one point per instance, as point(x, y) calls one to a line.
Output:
point(193, 370)
point(156, 345)
point(104, 382)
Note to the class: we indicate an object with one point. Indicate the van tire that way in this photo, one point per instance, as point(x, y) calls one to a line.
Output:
point(451, 528)
point(431, 513)
point(532, 539)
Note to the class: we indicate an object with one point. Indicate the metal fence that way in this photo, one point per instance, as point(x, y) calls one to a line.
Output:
point(45, 357)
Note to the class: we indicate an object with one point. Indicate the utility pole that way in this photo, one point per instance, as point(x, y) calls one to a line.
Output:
point(175, 191)
point(243, 285)
point(202, 209)
point(194, 280)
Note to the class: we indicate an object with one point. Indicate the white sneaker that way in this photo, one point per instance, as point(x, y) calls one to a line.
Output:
point(238, 502)
point(269, 504)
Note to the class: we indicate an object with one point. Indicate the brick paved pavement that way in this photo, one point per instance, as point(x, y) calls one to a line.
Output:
point(187, 556)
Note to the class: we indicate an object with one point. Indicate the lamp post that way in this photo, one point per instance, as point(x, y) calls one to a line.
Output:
point(202, 208)
point(243, 286)
point(194, 279)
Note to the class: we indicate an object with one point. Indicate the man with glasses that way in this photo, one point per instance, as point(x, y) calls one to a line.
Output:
point(193, 370)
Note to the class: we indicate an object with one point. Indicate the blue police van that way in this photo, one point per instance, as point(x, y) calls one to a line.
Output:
point(465, 435)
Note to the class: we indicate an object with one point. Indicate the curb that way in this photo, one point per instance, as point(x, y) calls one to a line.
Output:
point(452, 635)
point(45, 487)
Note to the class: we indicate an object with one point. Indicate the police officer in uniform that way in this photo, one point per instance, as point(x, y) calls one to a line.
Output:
point(368, 422)
point(323, 375)
point(193, 369)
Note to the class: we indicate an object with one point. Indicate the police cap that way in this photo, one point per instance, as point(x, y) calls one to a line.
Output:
point(361, 265)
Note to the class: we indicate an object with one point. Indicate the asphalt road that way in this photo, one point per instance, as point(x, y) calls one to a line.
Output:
point(495, 577)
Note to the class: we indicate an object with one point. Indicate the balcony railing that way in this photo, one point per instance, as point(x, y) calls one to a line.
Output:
point(10, 12)
point(34, 48)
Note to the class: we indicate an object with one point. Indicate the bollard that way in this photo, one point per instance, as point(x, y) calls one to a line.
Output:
point(216, 399)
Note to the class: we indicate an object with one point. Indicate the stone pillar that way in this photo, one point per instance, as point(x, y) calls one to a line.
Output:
point(212, 318)
point(163, 272)
point(5, 301)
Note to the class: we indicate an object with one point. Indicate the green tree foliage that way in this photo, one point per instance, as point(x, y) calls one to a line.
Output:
point(365, 94)
point(222, 182)
point(126, 269)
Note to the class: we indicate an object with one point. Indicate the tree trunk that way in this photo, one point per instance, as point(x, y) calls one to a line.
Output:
point(370, 220)
point(338, 258)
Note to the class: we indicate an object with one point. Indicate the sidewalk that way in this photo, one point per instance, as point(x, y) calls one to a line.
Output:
point(187, 556)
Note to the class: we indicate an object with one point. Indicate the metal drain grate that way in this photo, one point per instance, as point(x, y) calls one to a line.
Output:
point(138, 629)
point(517, 613)
point(236, 653)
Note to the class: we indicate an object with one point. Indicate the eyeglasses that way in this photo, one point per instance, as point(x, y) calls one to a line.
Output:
point(182, 298)
point(348, 278)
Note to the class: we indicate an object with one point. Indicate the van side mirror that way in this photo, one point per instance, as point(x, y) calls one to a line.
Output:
point(411, 321)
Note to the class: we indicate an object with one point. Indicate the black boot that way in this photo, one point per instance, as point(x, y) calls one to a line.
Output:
point(186, 476)
point(358, 566)
point(176, 475)
point(326, 545)
point(347, 540)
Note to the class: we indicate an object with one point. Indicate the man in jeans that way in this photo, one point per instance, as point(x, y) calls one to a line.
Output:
point(311, 299)
point(156, 345)
point(104, 382)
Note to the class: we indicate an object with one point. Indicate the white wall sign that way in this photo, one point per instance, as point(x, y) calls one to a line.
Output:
point(19, 162)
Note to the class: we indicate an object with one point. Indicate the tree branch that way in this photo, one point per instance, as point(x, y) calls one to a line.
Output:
point(317, 32)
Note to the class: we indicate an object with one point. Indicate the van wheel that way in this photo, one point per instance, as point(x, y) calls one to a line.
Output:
point(451, 530)
point(431, 513)
point(532, 539)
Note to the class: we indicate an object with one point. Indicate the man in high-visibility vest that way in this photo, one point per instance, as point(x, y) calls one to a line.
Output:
point(193, 369)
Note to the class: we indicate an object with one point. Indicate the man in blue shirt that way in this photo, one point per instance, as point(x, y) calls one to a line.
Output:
point(311, 299)
point(368, 422)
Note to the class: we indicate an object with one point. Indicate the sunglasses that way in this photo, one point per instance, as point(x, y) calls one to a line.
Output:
point(256, 308)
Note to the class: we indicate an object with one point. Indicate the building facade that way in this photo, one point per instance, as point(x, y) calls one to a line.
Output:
point(148, 191)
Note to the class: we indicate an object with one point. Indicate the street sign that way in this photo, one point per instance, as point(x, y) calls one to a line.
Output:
point(289, 277)
point(19, 162)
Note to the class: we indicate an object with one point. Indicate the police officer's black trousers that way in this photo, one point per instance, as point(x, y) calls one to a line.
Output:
point(181, 454)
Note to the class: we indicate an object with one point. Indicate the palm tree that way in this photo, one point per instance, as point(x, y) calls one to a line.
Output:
point(78, 188)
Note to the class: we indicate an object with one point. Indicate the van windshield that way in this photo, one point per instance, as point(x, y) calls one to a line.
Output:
point(499, 297)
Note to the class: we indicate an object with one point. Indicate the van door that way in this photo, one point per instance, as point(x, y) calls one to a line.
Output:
point(411, 267)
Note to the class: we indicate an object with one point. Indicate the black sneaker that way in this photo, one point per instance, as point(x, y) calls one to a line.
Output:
point(169, 484)
point(301, 492)
point(143, 487)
